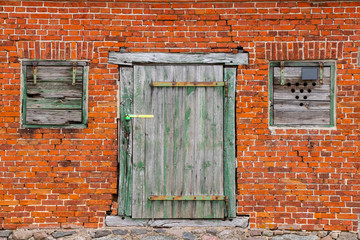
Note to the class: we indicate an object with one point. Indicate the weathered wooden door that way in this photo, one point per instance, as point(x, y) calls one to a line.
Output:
point(181, 162)
point(179, 152)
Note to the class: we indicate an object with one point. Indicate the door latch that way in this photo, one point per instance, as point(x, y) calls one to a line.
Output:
point(129, 116)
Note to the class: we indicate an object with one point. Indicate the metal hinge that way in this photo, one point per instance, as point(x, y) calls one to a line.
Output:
point(321, 72)
point(74, 74)
point(282, 70)
point(34, 71)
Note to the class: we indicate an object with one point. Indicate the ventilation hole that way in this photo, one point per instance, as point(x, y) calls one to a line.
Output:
point(289, 84)
point(305, 97)
point(292, 90)
point(305, 84)
point(297, 84)
point(309, 90)
point(314, 84)
point(297, 97)
point(301, 90)
point(301, 104)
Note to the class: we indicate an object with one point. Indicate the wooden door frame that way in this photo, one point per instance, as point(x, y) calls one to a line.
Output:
point(126, 61)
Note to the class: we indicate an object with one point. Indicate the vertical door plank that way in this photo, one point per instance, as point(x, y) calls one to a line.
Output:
point(125, 141)
point(178, 151)
point(140, 141)
point(159, 110)
point(229, 140)
point(215, 166)
point(170, 103)
point(187, 186)
point(208, 156)
point(151, 140)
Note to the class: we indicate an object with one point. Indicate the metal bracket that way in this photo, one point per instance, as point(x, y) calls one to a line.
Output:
point(35, 71)
point(226, 206)
point(129, 116)
point(74, 74)
point(187, 198)
point(321, 72)
point(282, 70)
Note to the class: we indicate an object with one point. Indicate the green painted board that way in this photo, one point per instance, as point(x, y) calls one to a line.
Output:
point(125, 141)
point(229, 141)
point(54, 103)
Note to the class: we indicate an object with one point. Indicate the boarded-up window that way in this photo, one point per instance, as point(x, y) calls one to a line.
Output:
point(302, 94)
point(54, 94)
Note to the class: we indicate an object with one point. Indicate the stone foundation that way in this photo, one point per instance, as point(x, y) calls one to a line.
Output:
point(187, 233)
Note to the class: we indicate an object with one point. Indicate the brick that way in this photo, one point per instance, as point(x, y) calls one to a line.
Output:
point(296, 172)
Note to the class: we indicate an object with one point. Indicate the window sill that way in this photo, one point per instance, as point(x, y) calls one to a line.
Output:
point(73, 126)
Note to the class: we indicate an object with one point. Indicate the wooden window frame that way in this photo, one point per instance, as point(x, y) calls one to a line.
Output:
point(326, 63)
point(55, 63)
point(126, 61)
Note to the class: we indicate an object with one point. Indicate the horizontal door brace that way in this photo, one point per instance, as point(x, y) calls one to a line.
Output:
point(187, 198)
point(188, 84)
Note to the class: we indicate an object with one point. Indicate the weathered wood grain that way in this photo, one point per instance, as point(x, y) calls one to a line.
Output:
point(54, 90)
point(125, 141)
point(301, 102)
point(180, 152)
point(53, 117)
point(54, 103)
point(302, 118)
point(294, 80)
point(53, 100)
point(300, 105)
point(296, 72)
point(178, 58)
point(229, 141)
point(54, 73)
point(141, 93)
point(55, 63)
point(316, 94)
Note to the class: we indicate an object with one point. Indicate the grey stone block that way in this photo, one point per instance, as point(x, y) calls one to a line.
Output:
point(138, 231)
point(40, 235)
point(255, 233)
point(225, 233)
point(347, 236)
point(120, 232)
point(295, 237)
point(188, 236)
point(22, 234)
point(102, 233)
point(211, 231)
point(158, 238)
point(327, 238)
point(110, 238)
point(268, 233)
point(5, 233)
point(116, 221)
point(59, 234)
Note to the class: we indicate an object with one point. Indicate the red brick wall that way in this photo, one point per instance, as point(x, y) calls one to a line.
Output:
point(287, 178)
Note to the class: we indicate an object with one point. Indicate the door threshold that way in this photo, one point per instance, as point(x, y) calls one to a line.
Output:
point(117, 221)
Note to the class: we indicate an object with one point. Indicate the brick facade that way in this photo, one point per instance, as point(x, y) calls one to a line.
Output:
point(305, 179)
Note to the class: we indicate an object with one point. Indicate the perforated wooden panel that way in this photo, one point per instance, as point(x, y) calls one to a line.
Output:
point(301, 101)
